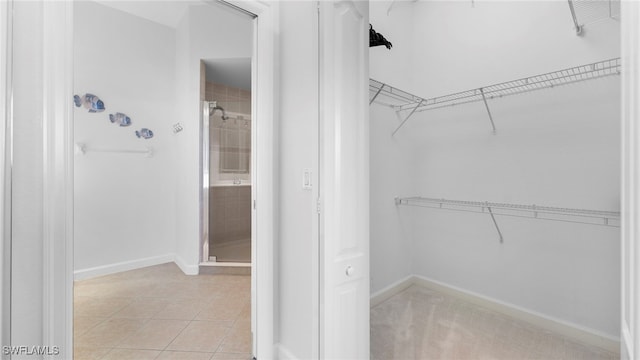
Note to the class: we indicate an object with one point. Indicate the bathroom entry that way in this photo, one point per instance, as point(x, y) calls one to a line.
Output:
point(226, 102)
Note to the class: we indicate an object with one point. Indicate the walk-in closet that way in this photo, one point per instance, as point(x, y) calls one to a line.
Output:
point(495, 179)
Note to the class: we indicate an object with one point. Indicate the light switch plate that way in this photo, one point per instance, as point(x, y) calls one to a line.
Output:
point(306, 179)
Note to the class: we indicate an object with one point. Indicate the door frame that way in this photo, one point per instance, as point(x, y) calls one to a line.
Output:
point(58, 151)
point(630, 183)
point(205, 153)
point(264, 72)
point(5, 164)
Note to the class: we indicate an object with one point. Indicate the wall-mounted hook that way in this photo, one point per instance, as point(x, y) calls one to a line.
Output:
point(486, 105)
point(495, 223)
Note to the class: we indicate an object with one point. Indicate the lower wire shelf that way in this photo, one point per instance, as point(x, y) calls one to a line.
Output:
point(582, 216)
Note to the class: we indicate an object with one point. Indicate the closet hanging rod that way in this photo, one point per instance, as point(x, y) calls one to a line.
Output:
point(402, 100)
point(582, 216)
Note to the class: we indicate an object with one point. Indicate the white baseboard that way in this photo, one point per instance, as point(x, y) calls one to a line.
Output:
point(558, 326)
point(284, 353)
point(186, 269)
point(561, 327)
point(393, 289)
point(83, 274)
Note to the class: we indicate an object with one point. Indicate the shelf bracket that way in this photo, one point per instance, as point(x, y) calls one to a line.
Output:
point(577, 26)
point(495, 223)
point(408, 116)
point(376, 95)
point(486, 105)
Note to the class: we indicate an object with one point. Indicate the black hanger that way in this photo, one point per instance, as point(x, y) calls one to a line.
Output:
point(376, 39)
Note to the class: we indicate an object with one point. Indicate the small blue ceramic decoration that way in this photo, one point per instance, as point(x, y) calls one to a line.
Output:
point(89, 101)
point(144, 133)
point(120, 119)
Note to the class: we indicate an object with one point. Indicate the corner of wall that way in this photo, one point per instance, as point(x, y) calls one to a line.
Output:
point(187, 269)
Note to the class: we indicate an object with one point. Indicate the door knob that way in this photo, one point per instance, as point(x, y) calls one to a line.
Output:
point(349, 271)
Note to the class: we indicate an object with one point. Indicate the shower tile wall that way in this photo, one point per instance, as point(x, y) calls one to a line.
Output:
point(231, 99)
point(229, 206)
point(230, 214)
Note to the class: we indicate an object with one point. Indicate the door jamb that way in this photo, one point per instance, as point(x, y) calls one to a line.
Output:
point(6, 40)
point(264, 73)
point(630, 188)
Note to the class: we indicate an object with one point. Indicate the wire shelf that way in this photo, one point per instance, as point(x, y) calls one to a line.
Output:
point(406, 104)
point(401, 100)
point(582, 216)
point(388, 95)
point(586, 12)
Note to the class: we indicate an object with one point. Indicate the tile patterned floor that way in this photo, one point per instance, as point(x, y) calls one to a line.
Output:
point(420, 323)
point(159, 313)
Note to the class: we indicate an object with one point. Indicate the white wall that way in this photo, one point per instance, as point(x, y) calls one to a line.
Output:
point(298, 150)
point(151, 72)
point(557, 147)
point(205, 32)
point(391, 232)
point(390, 65)
point(124, 208)
point(391, 160)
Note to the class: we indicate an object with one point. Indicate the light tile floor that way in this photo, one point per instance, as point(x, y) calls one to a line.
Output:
point(420, 323)
point(159, 313)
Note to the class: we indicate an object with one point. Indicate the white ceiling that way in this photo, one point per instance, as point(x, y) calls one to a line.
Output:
point(231, 72)
point(165, 12)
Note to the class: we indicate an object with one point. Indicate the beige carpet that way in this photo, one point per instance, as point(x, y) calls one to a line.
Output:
point(420, 323)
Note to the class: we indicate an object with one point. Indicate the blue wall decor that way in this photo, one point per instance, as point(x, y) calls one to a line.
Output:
point(144, 133)
point(89, 101)
point(120, 119)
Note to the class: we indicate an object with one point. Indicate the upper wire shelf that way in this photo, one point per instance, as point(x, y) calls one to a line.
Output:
point(403, 102)
point(586, 12)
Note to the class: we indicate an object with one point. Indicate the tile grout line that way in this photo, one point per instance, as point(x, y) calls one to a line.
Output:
point(175, 337)
point(145, 320)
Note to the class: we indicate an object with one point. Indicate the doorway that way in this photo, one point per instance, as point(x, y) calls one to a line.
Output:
point(53, 22)
point(226, 162)
point(137, 127)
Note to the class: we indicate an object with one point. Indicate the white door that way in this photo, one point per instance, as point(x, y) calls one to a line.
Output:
point(344, 180)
